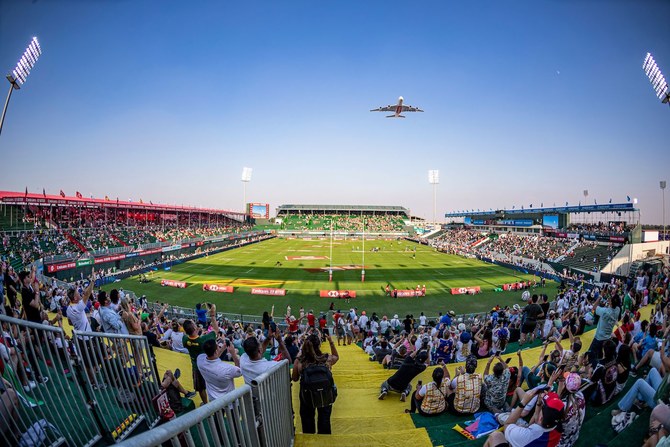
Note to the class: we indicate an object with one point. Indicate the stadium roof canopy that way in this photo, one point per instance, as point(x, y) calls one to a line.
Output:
point(341, 208)
point(604, 208)
point(23, 198)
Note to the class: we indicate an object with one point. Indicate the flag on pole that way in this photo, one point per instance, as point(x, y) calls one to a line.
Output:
point(595, 202)
point(566, 203)
point(117, 200)
point(628, 198)
point(44, 192)
point(141, 201)
point(26, 196)
point(610, 200)
point(106, 198)
point(62, 194)
point(151, 202)
point(79, 196)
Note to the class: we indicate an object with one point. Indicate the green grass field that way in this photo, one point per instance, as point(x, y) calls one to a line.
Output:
point(256, 266)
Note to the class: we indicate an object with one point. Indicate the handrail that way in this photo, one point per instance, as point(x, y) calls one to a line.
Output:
point(175, 427)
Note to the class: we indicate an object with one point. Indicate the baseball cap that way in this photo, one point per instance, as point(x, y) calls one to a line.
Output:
point(452, 313)
point(552, 409)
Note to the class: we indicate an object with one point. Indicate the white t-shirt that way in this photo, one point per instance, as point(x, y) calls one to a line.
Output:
point(219, 376)
point(178, 342)
point(77, 315)
point(518, 436)
point(253, 368)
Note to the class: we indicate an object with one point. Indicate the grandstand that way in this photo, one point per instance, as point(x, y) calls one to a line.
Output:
point(352, 220)
point(120, 401)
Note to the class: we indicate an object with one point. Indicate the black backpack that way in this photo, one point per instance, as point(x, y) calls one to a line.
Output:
point(318, 386)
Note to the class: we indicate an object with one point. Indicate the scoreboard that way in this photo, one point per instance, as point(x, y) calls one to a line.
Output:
point(258, 210)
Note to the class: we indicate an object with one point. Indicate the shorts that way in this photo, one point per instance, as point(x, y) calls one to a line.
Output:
point(528, 328)
point(198, 380)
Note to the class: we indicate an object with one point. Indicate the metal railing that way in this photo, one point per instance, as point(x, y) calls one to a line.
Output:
point(40, 373)
point(227, 421)
point(274, 407)
point(121, 378)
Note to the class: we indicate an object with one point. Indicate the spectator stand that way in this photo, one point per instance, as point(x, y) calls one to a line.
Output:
point(125, 383)
point(226, 421)
point(58, 397)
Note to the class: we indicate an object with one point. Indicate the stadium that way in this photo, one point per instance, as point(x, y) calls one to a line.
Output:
point(338, 303)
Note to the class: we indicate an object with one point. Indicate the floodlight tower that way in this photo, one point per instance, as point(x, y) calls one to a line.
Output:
point(656, 78)
point(662, 184)
point(246, 178)
point(19, 75)
point(434, 179)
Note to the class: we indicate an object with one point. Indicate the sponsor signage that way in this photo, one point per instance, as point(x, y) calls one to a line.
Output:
point(172, 283)
point(268, 291)
point(465, 290)
point(217, 288)
point(337, 293)
point(131, 255)
point(110, 258)
point(406, 293)
point(84, 262)
point(58, 267)
point(150, 252)
point(171, 248)
point(516, 223)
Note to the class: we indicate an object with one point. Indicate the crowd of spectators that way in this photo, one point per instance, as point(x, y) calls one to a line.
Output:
point(602, 228)
point(28, 246)
point(550, 396)
point(543, 401)
point(340, 222)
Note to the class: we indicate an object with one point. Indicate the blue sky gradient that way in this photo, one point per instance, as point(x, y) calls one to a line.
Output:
point(526, 101)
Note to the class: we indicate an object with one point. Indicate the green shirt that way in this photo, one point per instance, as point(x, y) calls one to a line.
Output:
point(627, 302)
point(194, 346)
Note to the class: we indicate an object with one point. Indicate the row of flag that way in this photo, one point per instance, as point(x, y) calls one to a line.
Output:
point(81, 196)
point(628, 199)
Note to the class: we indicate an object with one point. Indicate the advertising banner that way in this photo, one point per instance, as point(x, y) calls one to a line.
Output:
point(217, 288)
point(58, 267)
point(84, 262)
point(337, 293)
point(110, 258)
point(465, 290)
point(406, 293)
point(149, 252)
point(171, 248)
point(268, 291)
point(172, 283)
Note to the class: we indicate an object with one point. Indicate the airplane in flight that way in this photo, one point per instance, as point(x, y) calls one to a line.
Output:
point(397, 109)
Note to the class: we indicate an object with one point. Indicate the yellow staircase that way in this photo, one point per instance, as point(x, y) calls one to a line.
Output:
point(358, 417)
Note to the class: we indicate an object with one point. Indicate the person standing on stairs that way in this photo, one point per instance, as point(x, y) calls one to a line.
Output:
point(310, 356)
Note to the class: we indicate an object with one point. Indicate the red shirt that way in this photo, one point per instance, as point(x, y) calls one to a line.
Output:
point(310, 320)
point(322, 323)
point(292, 325)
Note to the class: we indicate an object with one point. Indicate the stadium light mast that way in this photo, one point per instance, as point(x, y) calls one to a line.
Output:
point(19, 75)
point(246, 178)
point(434, 179)
point(656, 78)
point(662, 184)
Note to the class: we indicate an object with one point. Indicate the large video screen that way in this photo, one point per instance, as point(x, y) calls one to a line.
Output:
point(259, 210)
point(550, 220)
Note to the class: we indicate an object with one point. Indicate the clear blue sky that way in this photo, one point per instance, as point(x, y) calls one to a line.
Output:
point(526, 101)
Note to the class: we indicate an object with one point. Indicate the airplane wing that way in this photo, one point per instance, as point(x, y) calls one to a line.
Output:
point(411, 109)
point(388, 108)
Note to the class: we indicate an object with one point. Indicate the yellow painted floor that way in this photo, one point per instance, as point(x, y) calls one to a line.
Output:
point(358, 417)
